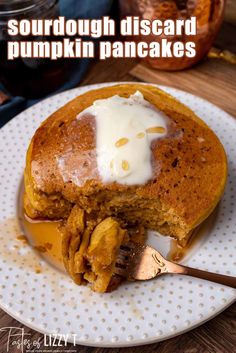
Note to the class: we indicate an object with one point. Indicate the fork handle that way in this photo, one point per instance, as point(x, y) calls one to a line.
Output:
point(209, 276)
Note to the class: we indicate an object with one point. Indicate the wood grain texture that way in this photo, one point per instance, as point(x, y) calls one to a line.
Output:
point(216, 336)
point(219, 334)
point(212, 80)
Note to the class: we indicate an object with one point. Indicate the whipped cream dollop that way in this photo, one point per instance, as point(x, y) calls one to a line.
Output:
point(125, 129)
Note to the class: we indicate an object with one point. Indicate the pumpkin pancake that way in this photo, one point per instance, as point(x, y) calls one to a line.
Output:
point(189, 169)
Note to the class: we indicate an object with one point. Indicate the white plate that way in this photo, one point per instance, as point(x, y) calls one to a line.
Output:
point(137, 313)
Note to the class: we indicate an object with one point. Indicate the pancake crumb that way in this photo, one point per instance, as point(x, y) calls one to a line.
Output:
point(38, 270)
point(23, 238)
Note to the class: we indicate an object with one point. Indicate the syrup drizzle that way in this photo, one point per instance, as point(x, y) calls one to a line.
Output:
point(45, 237)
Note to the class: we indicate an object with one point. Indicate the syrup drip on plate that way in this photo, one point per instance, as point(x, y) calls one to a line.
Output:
point(45, 237)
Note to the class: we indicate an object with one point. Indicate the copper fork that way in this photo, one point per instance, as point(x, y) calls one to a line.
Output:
point(141, 262)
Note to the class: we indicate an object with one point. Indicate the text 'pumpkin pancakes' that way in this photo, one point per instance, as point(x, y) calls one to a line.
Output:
point(115, 162)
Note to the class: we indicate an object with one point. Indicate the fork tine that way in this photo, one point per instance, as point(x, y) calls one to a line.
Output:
point(128, 247)
point(124, 258)
point(120, 261)
point(120, 271)
point(124, 253)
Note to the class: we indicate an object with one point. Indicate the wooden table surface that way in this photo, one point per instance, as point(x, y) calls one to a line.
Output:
point(211, 79)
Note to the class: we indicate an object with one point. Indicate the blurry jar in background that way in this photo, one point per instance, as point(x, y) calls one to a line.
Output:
point(30, 78)
point(209, 14)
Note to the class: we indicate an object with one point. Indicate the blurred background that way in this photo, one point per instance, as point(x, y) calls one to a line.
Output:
point(25, 81)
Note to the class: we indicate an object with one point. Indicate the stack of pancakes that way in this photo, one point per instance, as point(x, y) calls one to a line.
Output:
point(189, 174)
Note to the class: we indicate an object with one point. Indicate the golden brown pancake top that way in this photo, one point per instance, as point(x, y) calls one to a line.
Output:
point(189, 163)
